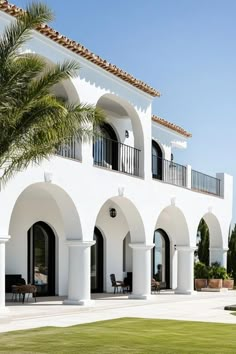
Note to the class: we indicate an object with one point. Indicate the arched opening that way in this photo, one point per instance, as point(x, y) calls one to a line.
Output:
point(105, 148)
point(202, 252)
point(41, 258)
point(173, 222)
point(47, 211)
point(209, 240)
point(156, 161)
point(125, 121)
point(161, 258)
point(119, 230)
point(97, 262)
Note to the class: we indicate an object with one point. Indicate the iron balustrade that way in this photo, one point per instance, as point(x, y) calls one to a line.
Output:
point(117, 156)
point(68, 149)
point(204, 183)
point(168, 171)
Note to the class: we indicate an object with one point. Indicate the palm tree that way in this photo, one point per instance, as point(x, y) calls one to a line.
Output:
point(33, 121)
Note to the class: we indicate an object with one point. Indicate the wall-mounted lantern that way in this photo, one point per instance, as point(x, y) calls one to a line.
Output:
point(112, 212)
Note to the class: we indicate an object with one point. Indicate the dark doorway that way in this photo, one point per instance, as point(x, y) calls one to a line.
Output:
point(161, 258)
point(156, 161)
point(97, 263)
point(41, 258)
point(105, 148)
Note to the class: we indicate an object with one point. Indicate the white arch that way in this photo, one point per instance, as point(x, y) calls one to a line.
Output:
point(64, 203)
point(128, 218)
point(135, 121)
point(215, 232)
point(173, 222)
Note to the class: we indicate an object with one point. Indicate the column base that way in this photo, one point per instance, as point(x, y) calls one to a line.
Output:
point(4, 313)
point(139, 297)
point(185, 292)
point(79, 302)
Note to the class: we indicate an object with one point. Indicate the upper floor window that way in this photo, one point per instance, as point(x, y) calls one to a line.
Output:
point(156, 160)
point(105, 148)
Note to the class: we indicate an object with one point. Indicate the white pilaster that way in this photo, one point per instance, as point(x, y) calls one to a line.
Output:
point(3, 240)
point(185, 274)
point(218, 255)
point(79, 273)
point(188, 176)
point(141, 271)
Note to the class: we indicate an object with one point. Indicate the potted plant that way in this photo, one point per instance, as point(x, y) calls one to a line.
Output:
point(228, 282)
point(216, 275)
point(201, 275)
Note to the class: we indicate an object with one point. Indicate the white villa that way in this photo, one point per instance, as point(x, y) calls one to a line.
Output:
point(117, 205)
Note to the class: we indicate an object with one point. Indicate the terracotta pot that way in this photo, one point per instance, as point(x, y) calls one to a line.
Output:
point(200, 283)
point(228, 283)
point(215, 283)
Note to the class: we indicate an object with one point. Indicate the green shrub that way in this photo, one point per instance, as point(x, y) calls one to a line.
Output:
point(216, 271)
point(201, 271)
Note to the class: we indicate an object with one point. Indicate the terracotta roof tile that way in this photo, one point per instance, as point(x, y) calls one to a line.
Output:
point(172, 126)
point(82, 51)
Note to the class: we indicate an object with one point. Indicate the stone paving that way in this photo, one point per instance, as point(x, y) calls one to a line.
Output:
point(207, 307)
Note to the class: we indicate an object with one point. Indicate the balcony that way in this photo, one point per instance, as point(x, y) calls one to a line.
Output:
point(176, 174)
point(114, 155)
point(69, 150)
point(204, 183)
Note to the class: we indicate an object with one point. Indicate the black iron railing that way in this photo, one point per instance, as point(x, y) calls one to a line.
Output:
point(68, 150)
point(204, 183)
point(168, 171)
point(114, 155)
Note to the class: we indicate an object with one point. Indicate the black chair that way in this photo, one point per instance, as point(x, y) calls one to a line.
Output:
point(116, 284)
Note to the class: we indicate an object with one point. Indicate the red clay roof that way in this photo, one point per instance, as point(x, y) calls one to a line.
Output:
point(172, 126)
point(82, 51)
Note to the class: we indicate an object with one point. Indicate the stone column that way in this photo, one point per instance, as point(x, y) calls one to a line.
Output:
point(3, 240)
point(219, 255)
point(79, 288)
point(141, 271)
point(185, 270)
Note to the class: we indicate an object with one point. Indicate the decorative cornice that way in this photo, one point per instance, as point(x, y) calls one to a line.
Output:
point(79, 49)
point(171, 126)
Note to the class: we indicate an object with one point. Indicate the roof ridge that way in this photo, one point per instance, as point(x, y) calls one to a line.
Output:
point(79, 49)
point(172, 126)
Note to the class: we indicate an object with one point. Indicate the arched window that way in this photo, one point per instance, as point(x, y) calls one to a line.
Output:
point(41, 258)
point(105, 148)
point(156, 161)
point(97, 262)
point(161, 257)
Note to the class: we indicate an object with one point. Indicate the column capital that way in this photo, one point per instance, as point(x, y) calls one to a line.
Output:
point(186, 248)
point(141, 246)
point(79, 243)
point(219, 249)
point(4, 238)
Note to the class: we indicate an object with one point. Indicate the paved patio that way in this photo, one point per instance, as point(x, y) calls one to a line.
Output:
point(208, 307)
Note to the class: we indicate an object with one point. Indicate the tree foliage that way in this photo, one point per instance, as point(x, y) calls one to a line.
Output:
point(33, 121)
point(203, 245)
point(232, 253)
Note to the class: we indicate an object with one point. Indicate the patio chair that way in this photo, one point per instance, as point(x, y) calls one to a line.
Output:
point(116, 284)
point(155, 285)
point(23, 290)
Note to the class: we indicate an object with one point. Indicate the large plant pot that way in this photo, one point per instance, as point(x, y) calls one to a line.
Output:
point(200, 283)
point(228, 283)
point(215, 283)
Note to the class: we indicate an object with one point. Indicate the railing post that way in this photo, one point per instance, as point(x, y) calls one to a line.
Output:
point(188, 176)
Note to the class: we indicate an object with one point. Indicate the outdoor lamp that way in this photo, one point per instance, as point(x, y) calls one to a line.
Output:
point(113, 212)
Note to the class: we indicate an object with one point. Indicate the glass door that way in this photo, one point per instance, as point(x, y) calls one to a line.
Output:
point(41, 258)
point(161, 258)
point(97, 263)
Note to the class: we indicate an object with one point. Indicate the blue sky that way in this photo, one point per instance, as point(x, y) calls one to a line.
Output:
point(186, 49)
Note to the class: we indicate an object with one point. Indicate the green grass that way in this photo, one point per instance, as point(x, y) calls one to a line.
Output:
point(126, 335)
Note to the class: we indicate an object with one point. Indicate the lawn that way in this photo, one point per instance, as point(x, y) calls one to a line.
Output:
point(126, 335)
